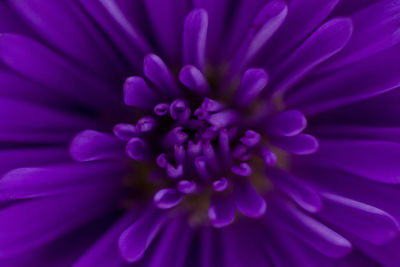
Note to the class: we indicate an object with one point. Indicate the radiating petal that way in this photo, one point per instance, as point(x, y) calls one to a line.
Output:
point(380, 72)
point(22, 121)
point(167, 19)
point(305, 196)
point(311, 231)
point(105, 250)
point(65, 26)
point(376, 28)
point(194, 38)
point(179, 234)
point(92, 145)
point(325, 42)
point(301, 144)
point(55, 72)
point(287, 123)
point(134, 241)
point(30, 223)
point(367, 222)
point(375, 160)
point(32, 182)
point(222, 210)
point(29, 157)
point(247, 200)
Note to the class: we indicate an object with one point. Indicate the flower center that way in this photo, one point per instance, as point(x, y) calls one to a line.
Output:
point(206, 153)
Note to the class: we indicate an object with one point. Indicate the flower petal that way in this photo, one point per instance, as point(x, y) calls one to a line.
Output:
point(92, 145)
point(134, 241)
point(372, 224)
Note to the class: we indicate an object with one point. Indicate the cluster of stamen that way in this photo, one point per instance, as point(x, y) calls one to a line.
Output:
point(200, 150)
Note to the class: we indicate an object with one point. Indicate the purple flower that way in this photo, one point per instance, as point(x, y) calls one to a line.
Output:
point(200, 133)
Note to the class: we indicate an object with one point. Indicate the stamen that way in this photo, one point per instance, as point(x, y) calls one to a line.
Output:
point(167, 198)
point(187, 187)
point(177, 107)
point(180, 154)
point(161, 109)
point(174, 172)
point(224, 147)
point(201, 168)
point(269, 157)
point(175, 137)
point(251, 85)
point(239, 151)
point(125, 131)
point(251, 138)
point(138, 94)
point(162, 160)
point(159, 74)
point(243, 169)
point(220, 185)
point(210, 156)
point(194, 38)
point(194, 149)
point(137, 149)
point(194, 79)
point(146, 124)
point(223, 119)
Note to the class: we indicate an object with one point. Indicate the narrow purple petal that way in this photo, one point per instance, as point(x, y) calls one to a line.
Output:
point(167, 198)
point(326, 41)
point(92, 145)
point(305, 196)
point(301, 144)
point(159, 74)
point(222, 210)
point(372, 224)
point(194, 38)
point(138, 94)
point(251, 85)
point(134, 241)
point(287, 123)
point(247, 200)
point(194, 79)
